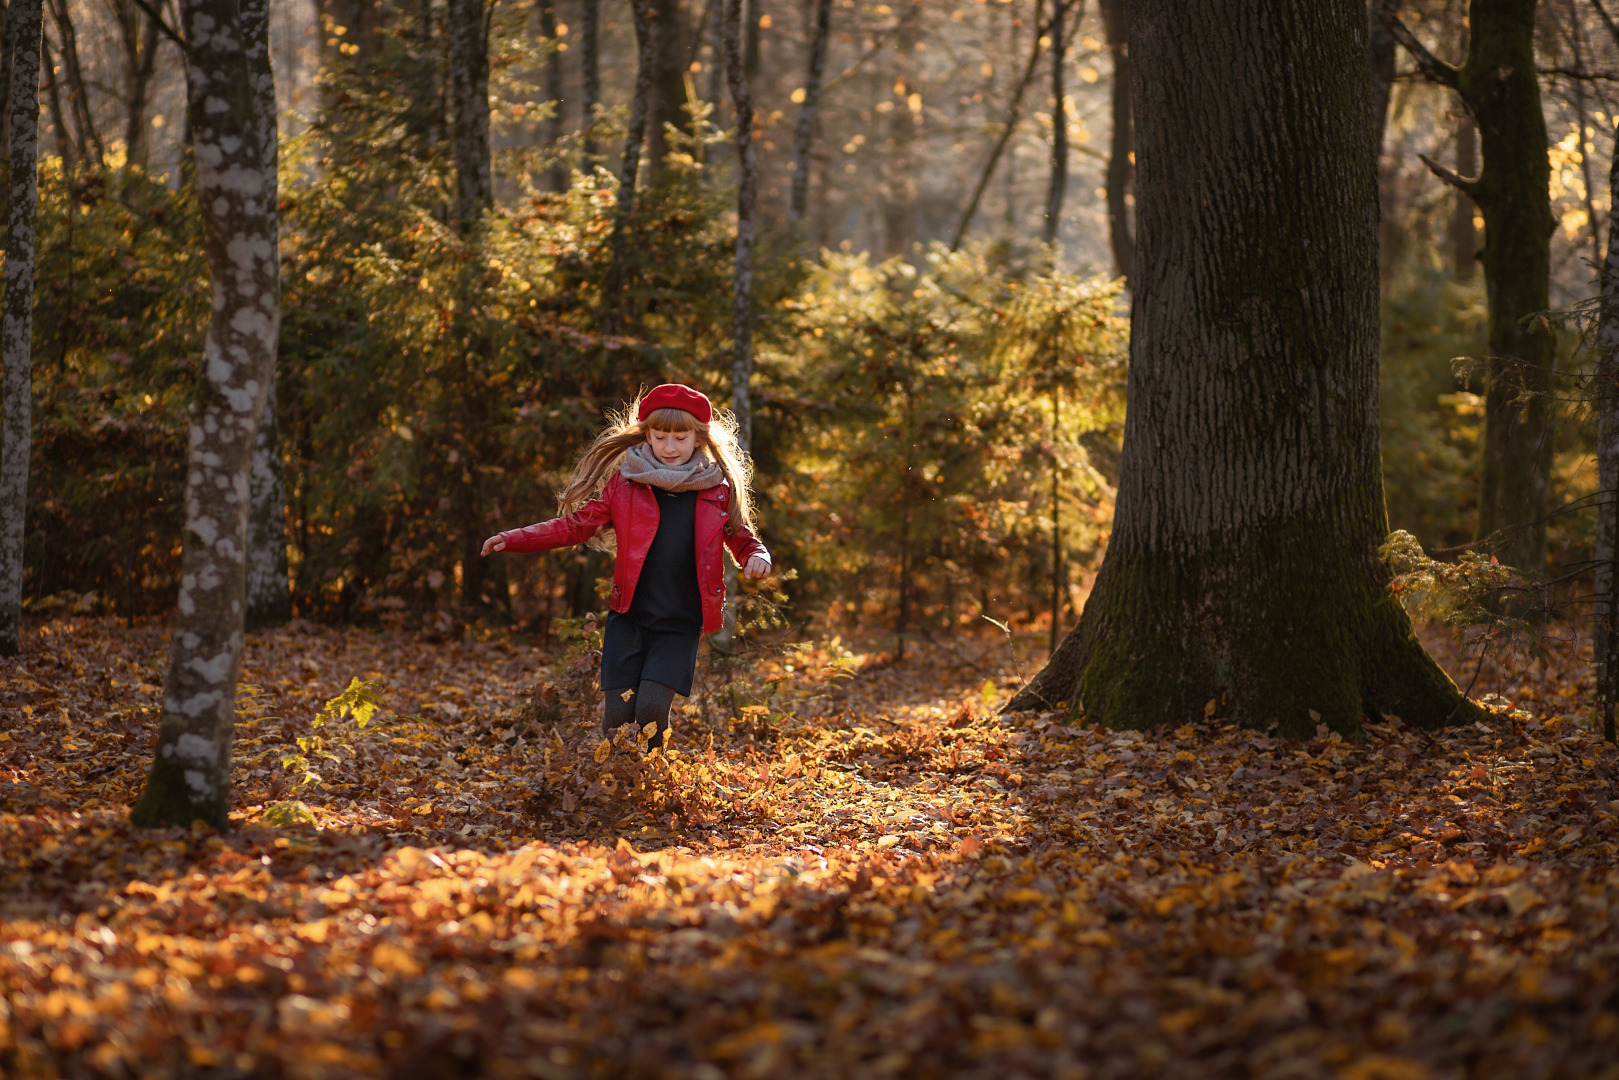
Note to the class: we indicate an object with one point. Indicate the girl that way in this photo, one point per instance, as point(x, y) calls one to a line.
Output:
point(678, 488)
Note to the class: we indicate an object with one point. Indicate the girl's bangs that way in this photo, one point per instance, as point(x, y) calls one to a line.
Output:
point(672, 420)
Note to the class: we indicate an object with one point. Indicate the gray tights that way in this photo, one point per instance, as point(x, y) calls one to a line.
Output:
point(648, 704)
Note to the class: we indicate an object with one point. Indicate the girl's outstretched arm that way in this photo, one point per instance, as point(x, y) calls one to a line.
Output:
point(574, 528)
point(748, 550)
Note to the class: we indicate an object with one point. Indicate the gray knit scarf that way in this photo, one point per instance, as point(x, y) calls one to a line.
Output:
point(697, 474)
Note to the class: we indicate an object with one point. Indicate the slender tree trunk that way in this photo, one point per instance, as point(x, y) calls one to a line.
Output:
point(53, 97)
point(667, 105)
point(731, 41)
point(1013, 111)
point(557, 175)
point(624, 211)
point(1383, 54)
point(746, 196)
point(269, 589)
point(899, 161)
point(229, 60)
point(78, 93)
point(1122, 147)
point(138, 42)
point(799, 201)
point(590, 89)
point(24, 27)
point(1499, 86)
point(716, 42)
point(469, 105)
point(751, 26)
point(1606, 607)
point(1243, 561)
point(1058, 187)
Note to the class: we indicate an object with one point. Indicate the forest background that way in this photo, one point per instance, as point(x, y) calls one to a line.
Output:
point(937, 378)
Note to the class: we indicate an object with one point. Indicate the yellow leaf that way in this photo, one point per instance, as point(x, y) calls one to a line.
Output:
point(394, 960)
point(315, 931)
point(425, 808)
point(603, 748)
point(887, 842)
point(1208, 710)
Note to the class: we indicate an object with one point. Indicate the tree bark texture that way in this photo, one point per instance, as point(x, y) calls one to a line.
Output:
point(1606, 606)
point(24, 19)
point(667, 105)
point(8, 42)
point(469, 104)
point(1243, 563)
point(1121, 150)
point(228, 79)
point(269, 591)
point(590, 85)
point(1058, 187)
point(798, 202)
point(1463, 237)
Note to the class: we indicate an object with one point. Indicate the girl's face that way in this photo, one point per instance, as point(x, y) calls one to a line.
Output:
point(672, 447)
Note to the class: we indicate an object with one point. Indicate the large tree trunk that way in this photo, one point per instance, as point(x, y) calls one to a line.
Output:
point(667, 106)
point(24, 19)
point(8, 41)
point(229, 64)
point(1122, 146)
point(1243, 561)
point(469, 104)
point(1462, 236)
point(1058, 186)
point(799, 200)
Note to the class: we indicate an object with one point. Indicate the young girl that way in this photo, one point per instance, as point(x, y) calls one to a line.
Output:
point(678, 488)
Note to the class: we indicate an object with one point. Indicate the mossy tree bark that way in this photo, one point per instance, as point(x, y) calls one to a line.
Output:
point(227, 42)
point(1499, 87)
point(1242, 566)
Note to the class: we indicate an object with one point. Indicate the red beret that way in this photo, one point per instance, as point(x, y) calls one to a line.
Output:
point(676, 396)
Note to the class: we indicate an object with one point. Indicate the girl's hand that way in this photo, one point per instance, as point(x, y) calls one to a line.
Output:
point(494, 543)
point(757, 567)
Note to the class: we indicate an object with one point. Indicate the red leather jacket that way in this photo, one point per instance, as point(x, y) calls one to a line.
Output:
point(632, 510)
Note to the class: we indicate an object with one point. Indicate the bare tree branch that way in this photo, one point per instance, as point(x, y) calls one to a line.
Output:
point(162, 24)
point(1613, 28)
point(1433, 68)
point(1460, 183)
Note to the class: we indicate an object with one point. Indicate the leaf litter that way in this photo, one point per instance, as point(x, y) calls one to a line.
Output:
point(845, 867)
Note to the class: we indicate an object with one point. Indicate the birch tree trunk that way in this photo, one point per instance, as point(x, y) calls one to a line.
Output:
point(469, 105)
point(1122, 146)
point(799, 201)
point(229, 65)
point(24, 20)
point(269, 592)
point(8, 42)
point(1243, 563)
point(1059, 126)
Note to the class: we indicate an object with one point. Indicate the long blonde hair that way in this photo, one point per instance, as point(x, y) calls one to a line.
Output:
point(718, 439)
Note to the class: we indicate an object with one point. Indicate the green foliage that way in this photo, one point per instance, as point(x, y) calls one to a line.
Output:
point(359, 702)
point(121, 302)
point(1432, 424)
point(940, 402)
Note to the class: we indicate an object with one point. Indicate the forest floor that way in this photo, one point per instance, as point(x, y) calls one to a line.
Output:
point(849, 867)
